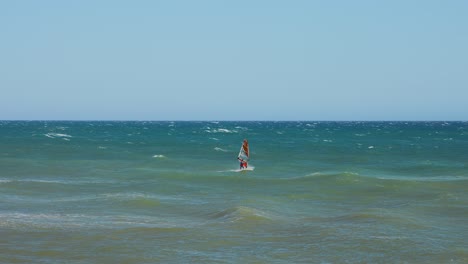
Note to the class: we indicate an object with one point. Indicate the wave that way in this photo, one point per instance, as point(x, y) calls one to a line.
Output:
point(424, 178)
point(36, 181)
point(158, 156)
point(55, 135)
point(323, 175)
point(48, 186)
point(380, 215)
point(241, 214)
point(132, 199)
point(220, 149)
point(86, 221)
point(121, 199)
point(64, 181)
point(356, 177)
point(5, 181)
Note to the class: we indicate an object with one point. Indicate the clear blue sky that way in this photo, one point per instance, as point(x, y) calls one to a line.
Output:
point(234, 60)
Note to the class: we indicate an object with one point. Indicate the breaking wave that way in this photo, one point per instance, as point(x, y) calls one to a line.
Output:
point(241, 214)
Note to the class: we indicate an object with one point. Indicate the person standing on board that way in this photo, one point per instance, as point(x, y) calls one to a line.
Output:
point(243, 164)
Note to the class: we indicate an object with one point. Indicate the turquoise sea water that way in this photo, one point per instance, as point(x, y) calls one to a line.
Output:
point(168, 192)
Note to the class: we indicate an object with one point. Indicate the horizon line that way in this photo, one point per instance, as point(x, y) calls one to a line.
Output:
point(214, 120)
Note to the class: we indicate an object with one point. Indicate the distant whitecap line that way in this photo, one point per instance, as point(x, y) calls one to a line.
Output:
point(221, 130)
point(159, 156)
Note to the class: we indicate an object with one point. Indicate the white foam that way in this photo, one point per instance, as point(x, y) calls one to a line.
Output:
point(250, 168)
point(370, 147)
point(159, 156)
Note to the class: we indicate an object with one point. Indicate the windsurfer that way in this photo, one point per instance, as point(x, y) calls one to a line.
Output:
point(243, 164)
point(243, 156)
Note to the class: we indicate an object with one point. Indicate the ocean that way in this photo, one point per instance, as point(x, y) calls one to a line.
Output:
point(170, 192)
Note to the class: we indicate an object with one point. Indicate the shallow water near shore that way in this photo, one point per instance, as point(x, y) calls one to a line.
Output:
point(148, 192)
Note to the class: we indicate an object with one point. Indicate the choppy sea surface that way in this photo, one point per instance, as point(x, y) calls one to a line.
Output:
point(169, 192)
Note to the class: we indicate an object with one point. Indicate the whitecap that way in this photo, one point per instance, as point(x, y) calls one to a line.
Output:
point(370, 147)
point(220, 149)
point(54, 135)
point(159, 156)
